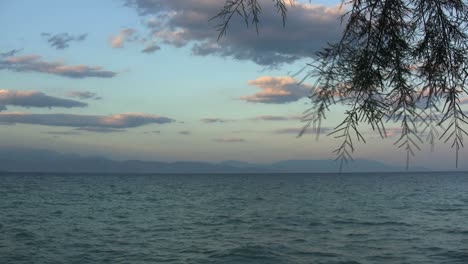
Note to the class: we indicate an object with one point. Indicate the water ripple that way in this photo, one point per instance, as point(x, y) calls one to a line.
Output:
point(175, 219)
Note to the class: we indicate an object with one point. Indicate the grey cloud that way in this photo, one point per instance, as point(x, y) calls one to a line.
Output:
point(277, 90)
point(35, 63)
point(229, 140)
point(276, 118)
point(257, 118)
point(296, 131)
point(62, 40)
point(35, 99)
point(215, 120)
point(151, 48)
point(63, 133)
point(10, 53)
point(178, 23)
point(118, 121)
point(84, 95)
point(153, 132)
point(101, 129)
point(185, 132)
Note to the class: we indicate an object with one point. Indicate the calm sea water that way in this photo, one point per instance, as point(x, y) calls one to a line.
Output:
point(370, 218)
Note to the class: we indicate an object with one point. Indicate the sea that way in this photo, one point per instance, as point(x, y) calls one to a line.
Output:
point(237, 218)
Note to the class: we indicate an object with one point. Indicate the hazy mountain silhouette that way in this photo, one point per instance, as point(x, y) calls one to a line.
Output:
point(307, 166)
point(16, 159)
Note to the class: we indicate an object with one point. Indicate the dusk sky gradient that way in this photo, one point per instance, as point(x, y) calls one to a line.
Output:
point(148, 80)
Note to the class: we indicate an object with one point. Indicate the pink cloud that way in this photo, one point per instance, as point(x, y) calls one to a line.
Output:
point(126, 120)
point(126, 34)
point(277, 90)
point(392, 131)
point(464, 100)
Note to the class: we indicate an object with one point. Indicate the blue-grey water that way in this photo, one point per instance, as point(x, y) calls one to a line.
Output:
point(349, 218)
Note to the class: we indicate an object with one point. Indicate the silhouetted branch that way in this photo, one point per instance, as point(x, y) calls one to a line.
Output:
point(400, 60)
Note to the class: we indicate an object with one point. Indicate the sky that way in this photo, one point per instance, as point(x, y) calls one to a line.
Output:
point(149, 80)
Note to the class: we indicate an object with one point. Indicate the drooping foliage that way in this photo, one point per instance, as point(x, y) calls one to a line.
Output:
point(398, 61)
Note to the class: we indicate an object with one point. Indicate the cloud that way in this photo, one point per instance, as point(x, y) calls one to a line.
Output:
point(10, 53)
point(277, 90)
point(153, 132)
point(185, 132)
point(276, 118)
point(84, 95)
point(63, 133)
point(215, 120)
point(186, 23)
point(125, 35)
point(35, 99)
point(85, 122)
point(229, 140)
point(101, 129)
point(464, 100)
point(2, 108)
point(35, 63)
point(297, 130)
point(392, 131)
point(62, 40)
point(77, 131)
point(130, 35)
point(151, 48)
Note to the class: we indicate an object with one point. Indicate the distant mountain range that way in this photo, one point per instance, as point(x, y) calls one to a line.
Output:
point(15, 159)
